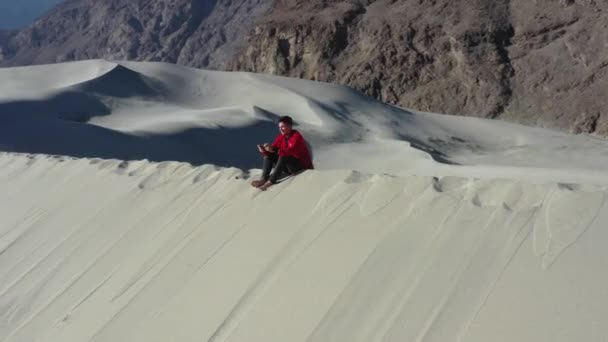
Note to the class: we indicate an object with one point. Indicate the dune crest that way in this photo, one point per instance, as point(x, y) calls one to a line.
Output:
point(164, 112)
point(142, 251)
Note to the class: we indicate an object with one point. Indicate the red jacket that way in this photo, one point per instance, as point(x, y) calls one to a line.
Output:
point(294, 146)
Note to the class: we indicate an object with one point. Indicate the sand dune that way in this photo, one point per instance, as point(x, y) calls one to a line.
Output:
point(96, 250)
point(126, 214)
point(159, 112)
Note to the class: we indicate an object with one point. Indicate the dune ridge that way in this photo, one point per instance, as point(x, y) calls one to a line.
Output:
point(161, 112)
point(116, 251)
point(126, 214)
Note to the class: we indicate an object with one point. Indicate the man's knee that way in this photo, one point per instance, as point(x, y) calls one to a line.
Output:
point(293, 164)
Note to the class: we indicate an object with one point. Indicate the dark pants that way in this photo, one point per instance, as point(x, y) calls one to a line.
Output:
point(283, 166)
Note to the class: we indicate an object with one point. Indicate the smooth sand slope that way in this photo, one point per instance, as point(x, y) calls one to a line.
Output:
point(98, 250)
point(414, 226)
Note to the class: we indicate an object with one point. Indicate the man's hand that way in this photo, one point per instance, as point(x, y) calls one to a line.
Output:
point(261, 148)
point(268, 148)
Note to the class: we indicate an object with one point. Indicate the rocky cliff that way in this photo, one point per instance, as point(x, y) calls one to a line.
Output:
point(542, 62)
point(534, 62)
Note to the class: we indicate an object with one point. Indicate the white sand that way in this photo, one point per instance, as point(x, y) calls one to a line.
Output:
point(507, 246)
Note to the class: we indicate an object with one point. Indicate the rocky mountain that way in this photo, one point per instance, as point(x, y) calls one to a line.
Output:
point(534, 62)
point(542, 62)
point(202, 33)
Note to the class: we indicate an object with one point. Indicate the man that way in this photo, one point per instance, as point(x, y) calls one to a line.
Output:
point(287, 154)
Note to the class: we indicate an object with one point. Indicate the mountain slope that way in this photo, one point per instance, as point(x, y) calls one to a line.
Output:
point(201, 33)
point(5, 39)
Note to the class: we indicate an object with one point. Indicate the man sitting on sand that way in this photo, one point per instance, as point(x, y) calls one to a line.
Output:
point(288, 154)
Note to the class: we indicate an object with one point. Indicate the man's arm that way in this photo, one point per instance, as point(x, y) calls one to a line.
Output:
point(276, 144)
point(269, 148)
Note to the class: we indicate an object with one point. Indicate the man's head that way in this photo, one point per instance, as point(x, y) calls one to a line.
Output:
point(285, 124)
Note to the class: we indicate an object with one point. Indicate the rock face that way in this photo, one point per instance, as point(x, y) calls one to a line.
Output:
point(542, 62)
point(535, 62)
point(192, 32)
point(421, 56)
point(560, 58)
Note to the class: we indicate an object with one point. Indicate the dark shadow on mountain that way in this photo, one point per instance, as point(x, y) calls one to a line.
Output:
point(343, 115)
point(437, 155)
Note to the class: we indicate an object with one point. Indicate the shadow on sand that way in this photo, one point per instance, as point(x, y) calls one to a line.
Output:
point(228, 147)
